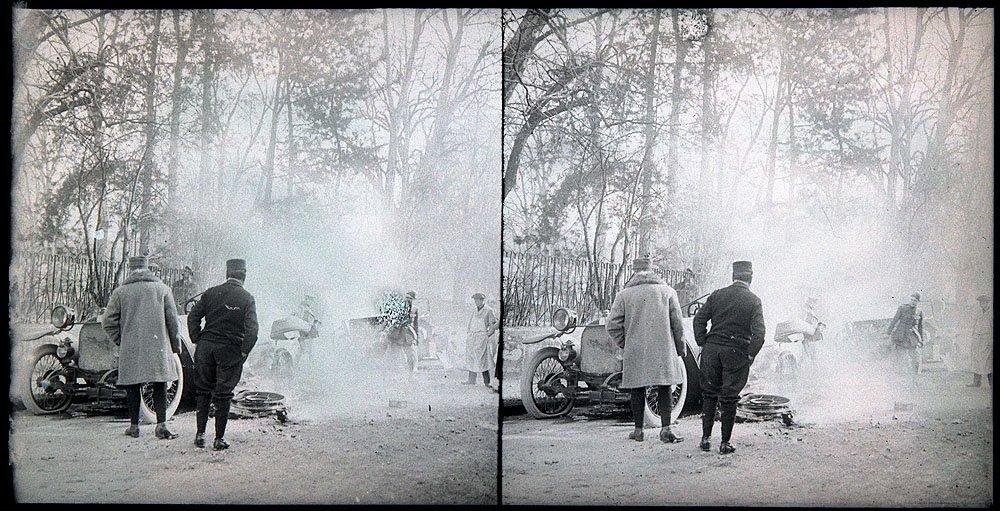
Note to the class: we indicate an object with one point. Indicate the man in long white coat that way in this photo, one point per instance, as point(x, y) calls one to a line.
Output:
point(480, 345)
point(982, 343)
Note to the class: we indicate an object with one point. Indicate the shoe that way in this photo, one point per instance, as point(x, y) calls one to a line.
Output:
point(220, 444)
point(668, 437)
point(705, 445)
point(133, 431)
point(726, 448)
point(636, 435)
point(163, 433)
point(199, 440)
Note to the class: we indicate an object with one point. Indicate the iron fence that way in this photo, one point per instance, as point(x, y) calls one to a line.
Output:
point(534, 285)
point(39, 282)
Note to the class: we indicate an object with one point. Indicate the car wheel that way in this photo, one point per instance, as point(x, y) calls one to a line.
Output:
point(544, 368)
point(678, 398)
point(175, 389)
point(47, 387)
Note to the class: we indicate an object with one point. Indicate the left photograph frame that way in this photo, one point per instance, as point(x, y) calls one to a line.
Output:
point(255, 256)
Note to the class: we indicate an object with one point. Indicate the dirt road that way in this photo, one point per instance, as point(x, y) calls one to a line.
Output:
point(439, 447)
point(937, 454)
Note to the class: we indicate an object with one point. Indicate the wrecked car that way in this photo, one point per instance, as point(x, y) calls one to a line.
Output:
point(587, 366)
point(82, 366)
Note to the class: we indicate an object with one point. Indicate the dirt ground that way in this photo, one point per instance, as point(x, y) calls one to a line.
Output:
point(437, 447)
point(937, 453)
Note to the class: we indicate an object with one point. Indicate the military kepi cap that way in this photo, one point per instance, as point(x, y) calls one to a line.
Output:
point(478, 296)
point(236, 265)
point(138, 262)
point(742, 268)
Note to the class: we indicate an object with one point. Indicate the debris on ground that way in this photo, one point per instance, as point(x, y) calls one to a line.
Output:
point(253, 404)
point(764, 407)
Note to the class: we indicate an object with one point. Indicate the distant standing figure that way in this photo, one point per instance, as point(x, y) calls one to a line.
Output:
point(184, 288)
point(810, 317)
point(737, 335)
point(982, 343)
point(224, 342)
point(483, 323)
point(141, 318)
point(686, 291)
point(907, 332)
point(645, 320)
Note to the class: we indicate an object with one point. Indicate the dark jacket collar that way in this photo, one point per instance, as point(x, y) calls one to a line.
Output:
point(742, 284)
point(231, 280)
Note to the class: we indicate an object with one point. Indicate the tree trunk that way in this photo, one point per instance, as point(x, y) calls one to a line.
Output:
point(676, 96)
point(645, 226)
point(207, 119)
point(772, 147)
point(708, 117)
point(265, 197)
point(176, 105)
point(150, 131)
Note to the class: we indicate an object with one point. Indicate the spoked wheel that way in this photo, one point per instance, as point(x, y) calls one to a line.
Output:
point(174, 391)
point(678, 396)
point(545, 370)
point(48, 386)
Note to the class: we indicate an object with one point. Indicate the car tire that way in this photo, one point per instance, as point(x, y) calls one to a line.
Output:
point(146, 412)
point(46, 351)
point(652, 419)
point(528, 387)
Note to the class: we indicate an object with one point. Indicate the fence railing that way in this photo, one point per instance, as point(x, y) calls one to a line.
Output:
point(39, 282)
point(535, 285)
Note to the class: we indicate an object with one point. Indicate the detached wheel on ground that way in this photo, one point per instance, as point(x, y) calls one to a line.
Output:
point(46, 386)
point(678, 399)
point(174, 391)
point(545, 369)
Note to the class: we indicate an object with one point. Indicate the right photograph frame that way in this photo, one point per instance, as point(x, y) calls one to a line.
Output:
point(747, 257)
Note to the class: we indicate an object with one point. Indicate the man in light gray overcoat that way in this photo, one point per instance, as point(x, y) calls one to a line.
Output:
point(141, 318)
point(645, 320)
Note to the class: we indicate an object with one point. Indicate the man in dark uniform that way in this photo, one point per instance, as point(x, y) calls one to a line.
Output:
point(736, 337)
point(229, 334)
point(907, 332)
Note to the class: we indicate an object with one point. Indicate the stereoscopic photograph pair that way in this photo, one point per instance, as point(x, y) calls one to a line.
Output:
point(502, 257)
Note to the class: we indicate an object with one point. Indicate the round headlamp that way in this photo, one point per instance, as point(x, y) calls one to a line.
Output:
point(62, 316)
point(563, 319)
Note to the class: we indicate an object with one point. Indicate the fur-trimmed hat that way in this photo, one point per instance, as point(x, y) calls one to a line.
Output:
point(138, 262)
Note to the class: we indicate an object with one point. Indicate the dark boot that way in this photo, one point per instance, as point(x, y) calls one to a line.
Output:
point(221, 418)
point(668, 437)
point(486, 379)
point(708, 407)
point(133, 431)
point(201, 416)
point(705, 444)
point(163, 433)
point(726, 448)
point(220, 444)
point(199, 440)
point(636, 435)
